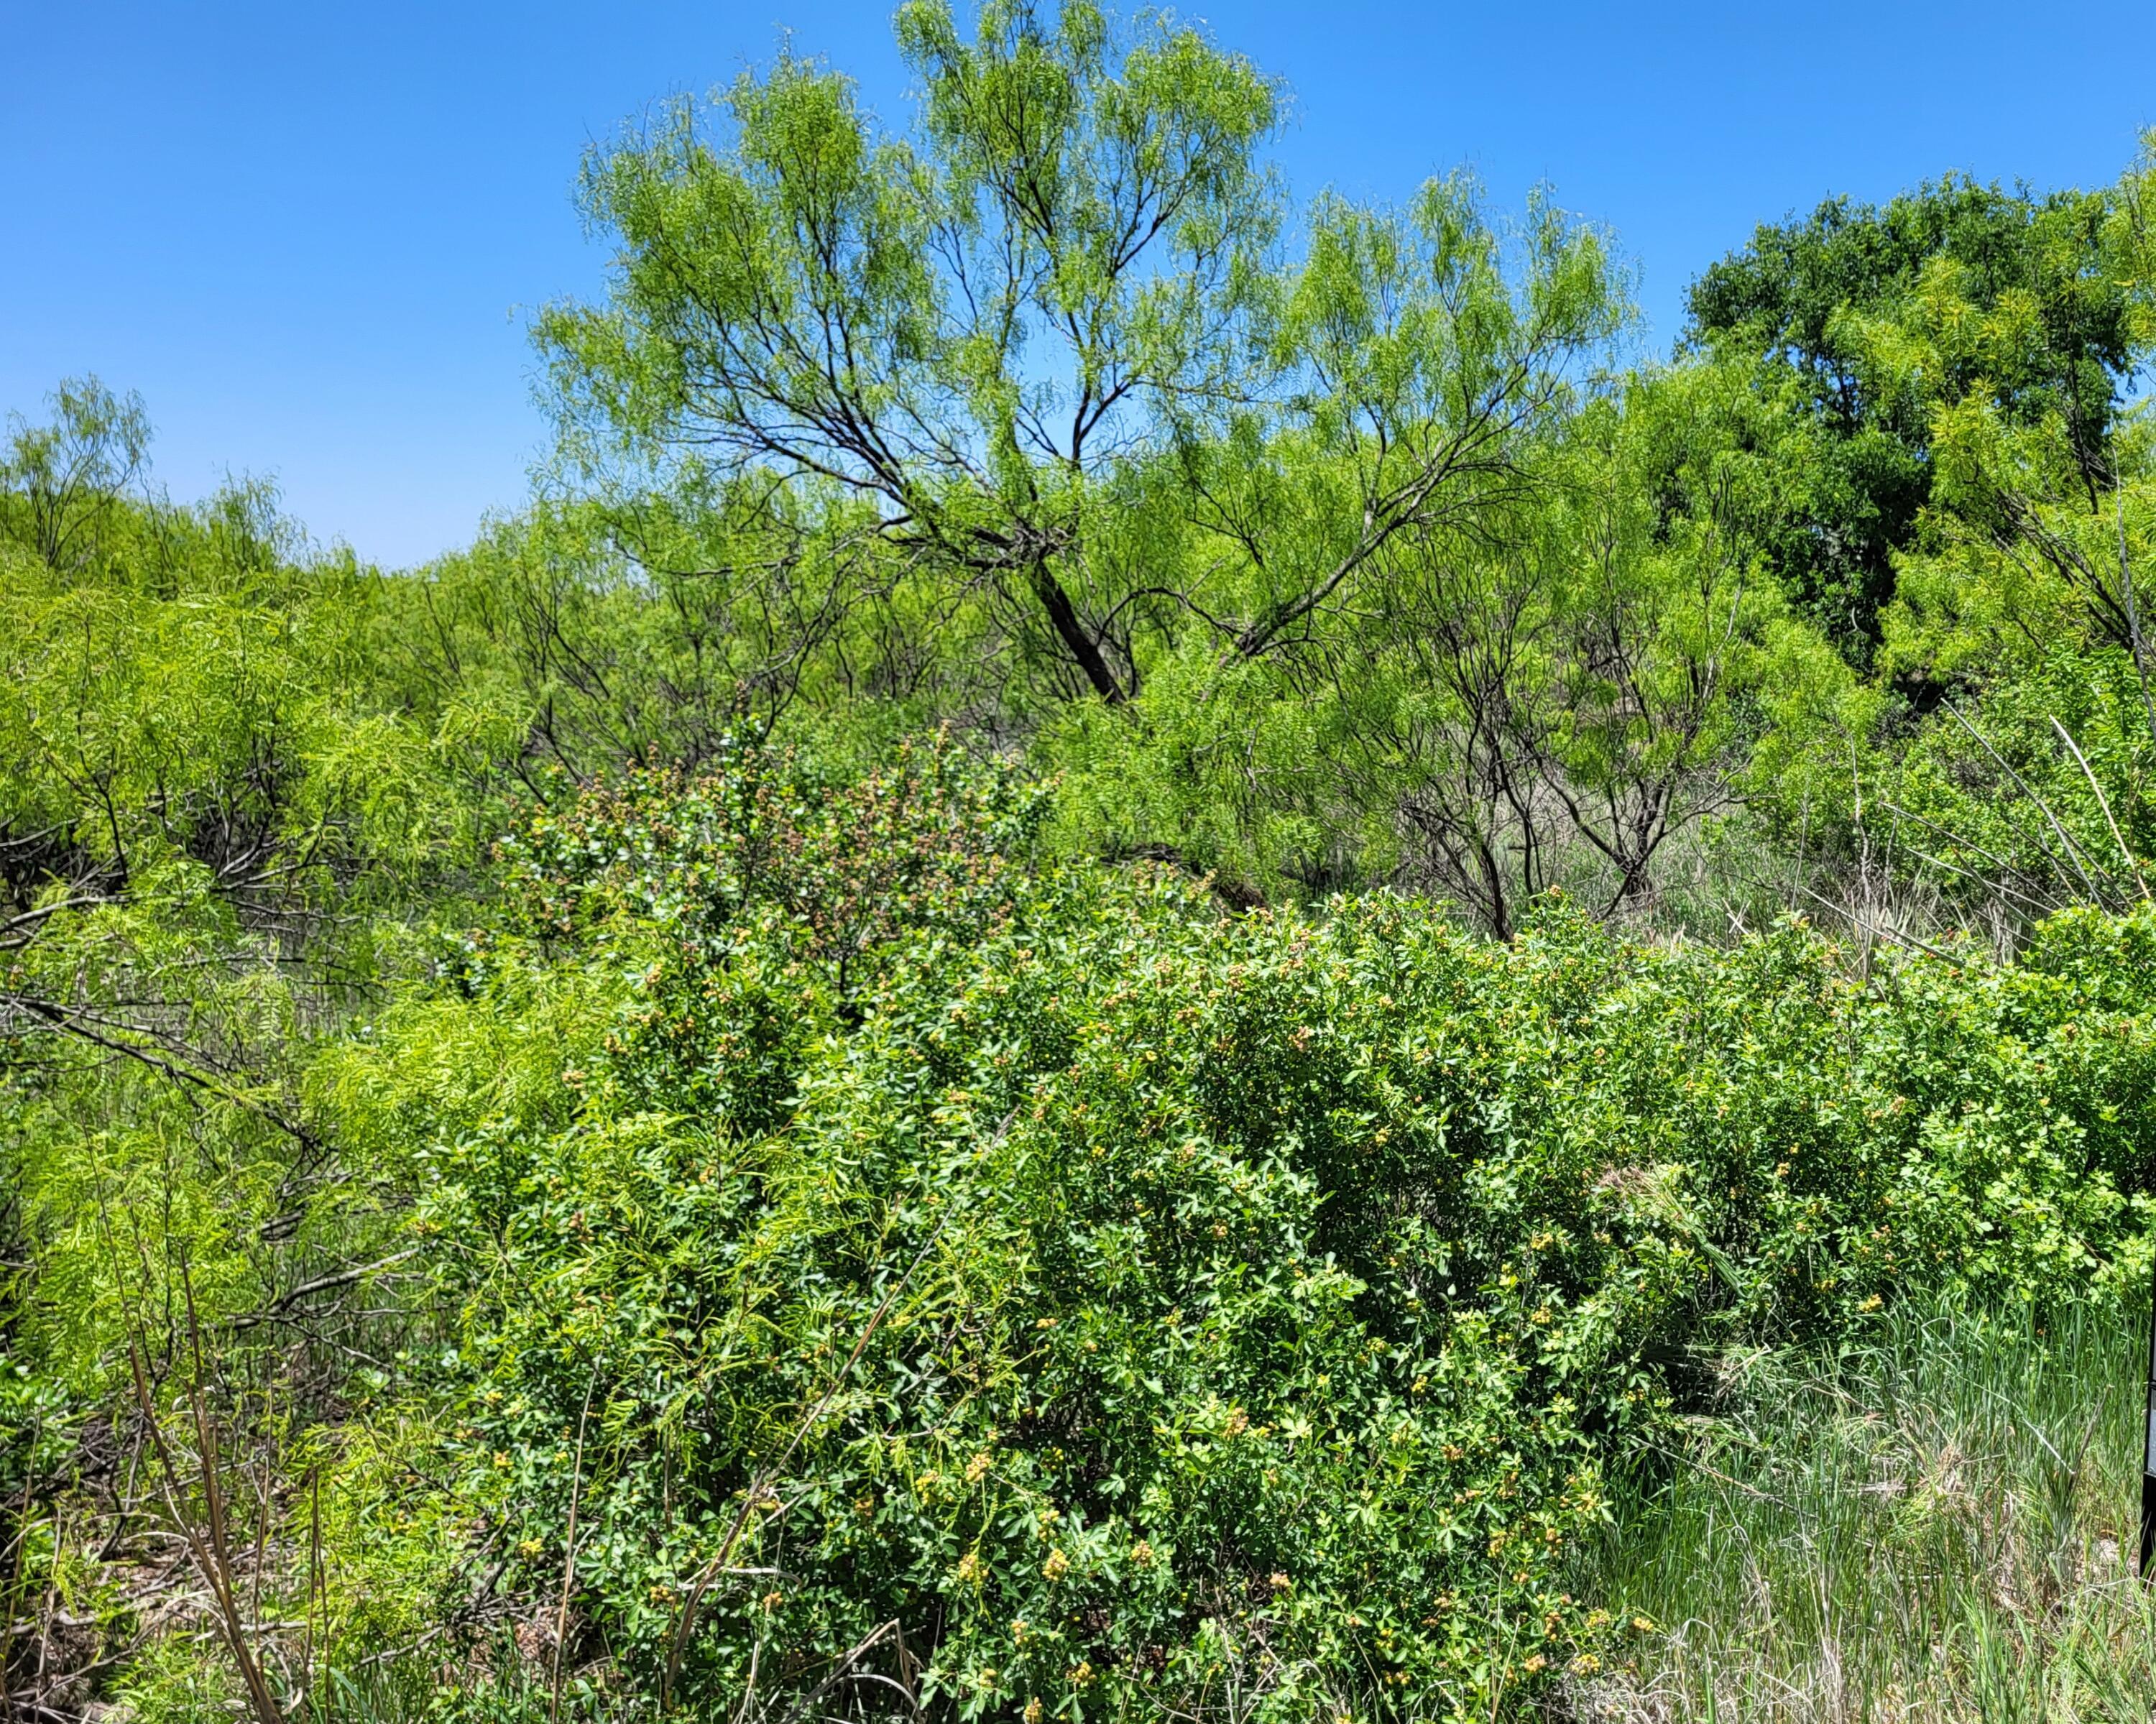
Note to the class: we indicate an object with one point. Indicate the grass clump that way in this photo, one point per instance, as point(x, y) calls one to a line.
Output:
point(1936, 1521)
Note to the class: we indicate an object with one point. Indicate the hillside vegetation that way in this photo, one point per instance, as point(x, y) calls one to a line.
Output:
point(1146, 954)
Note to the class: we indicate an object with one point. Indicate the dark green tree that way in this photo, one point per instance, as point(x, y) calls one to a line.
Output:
point(1801, 297)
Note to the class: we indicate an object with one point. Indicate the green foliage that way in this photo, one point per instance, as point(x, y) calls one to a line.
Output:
point(216, 802)
point(59, 483)
point(1132, 1304)
point(650, 627)
point(832, 304)
point(1047, 340)
point(2015, 621)
point(1543, 693)
point(1799, 297)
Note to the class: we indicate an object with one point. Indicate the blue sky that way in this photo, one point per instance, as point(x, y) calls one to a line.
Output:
point(310, 233)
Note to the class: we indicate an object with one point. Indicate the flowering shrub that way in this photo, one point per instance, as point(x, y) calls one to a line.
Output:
point(1041, 1290)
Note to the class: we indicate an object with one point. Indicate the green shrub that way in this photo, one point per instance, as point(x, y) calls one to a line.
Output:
point(1045, 1291)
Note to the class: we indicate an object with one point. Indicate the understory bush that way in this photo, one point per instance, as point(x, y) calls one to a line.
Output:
point(880, 1266)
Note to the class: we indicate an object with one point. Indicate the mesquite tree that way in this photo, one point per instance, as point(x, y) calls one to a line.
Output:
point(972, 325)
point(1052, 334)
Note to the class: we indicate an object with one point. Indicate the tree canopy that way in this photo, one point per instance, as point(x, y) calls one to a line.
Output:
point(1806, 297)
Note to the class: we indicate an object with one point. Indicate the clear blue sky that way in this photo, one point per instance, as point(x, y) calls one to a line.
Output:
point(310, 234)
